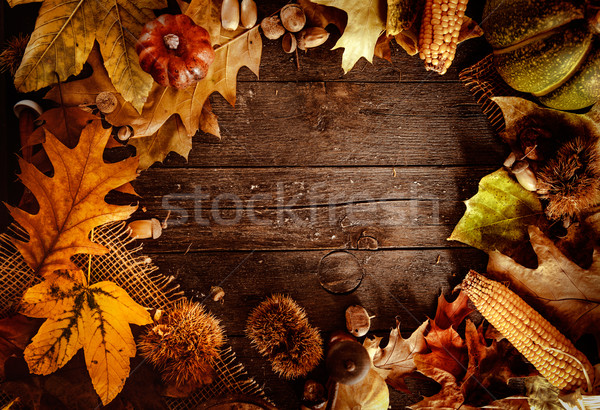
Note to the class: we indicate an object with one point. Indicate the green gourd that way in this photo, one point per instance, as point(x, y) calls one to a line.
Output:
point(549, 48)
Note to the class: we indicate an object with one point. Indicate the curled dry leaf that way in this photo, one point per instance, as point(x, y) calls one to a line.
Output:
point(366, 22)
point(318, 15)
point(370, 394)
point(562, 290)
point(71, 202)
point(396, 360)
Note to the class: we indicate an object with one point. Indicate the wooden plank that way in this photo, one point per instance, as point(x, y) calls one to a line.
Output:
point(313, 208)
point(333, 123)
point(404, 283)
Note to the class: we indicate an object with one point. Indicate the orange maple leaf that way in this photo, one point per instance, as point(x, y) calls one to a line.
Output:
point(71, 202)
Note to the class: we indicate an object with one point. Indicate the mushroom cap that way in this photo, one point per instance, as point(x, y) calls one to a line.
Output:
point(347, 362)
point(23, 104)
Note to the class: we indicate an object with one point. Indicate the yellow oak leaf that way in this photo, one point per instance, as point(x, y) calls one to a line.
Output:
point(71, 202)
point(366, 22)
point(94, 317)
point(64, 35)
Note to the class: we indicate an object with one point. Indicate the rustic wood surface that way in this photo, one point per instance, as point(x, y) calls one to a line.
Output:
point(373, 164)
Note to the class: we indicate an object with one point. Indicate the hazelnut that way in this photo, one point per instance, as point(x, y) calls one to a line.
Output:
point(293, 17)
point(272, 28)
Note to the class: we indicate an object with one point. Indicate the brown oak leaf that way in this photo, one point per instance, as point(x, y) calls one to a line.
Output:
point(568, 295)
point(452, 314)
point(396, 360)
point(71, 202)
point(449, 397)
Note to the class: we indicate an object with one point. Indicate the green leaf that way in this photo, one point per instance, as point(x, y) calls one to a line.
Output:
point(497, 216)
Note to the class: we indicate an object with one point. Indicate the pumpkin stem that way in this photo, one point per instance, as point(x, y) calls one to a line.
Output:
point(171, 41)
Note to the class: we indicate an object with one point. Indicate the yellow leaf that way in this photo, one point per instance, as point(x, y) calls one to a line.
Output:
point(366, 22)
point(94, 317)
point(58, 339)
point(107, 340)
point(64, 36)
point(71, 202)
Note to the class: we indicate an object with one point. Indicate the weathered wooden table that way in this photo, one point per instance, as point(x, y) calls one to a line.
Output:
point(372, 166)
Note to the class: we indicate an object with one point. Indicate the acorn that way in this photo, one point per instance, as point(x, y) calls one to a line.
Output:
point(272, 28)
point(248, 13)
point(106, 102)
point(358, 321)
point(184, 345)
point(524, 175)
point(288, 42)
point(279, 329)
point(292, 17)
point(312, 37)
point(347, 362)
point(145, 229)
point(230, 14)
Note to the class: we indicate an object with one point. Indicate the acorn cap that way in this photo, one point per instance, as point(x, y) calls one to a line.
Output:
point(347, 362)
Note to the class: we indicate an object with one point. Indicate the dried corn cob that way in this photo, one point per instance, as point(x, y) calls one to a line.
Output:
point(542, 344)
point(401, 15)
point(439, 32)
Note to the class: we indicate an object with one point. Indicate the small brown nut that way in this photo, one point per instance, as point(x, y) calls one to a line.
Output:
point(145, 229)
point(248, 13)
point(358, 321)
point(312, 37)
point(230, 14)
point(217, 294)
point(124, 133)
point(288, 42)
point(106, 102)
point(292, 17)
point(272, 28)
point(510, 160)
point(525, 175)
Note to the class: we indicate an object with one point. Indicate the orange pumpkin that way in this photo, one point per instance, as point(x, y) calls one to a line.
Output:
point(175, 51)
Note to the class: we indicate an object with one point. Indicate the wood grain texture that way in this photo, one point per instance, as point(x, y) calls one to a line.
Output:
point(306, 208)
point(347, 124)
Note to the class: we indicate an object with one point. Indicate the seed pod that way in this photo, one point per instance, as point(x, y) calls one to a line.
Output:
point(230, 14)
point(249, 13)
point(145, 229)
point(272, 28)
point(312, 37)
point(293, 17)
point(288, 43)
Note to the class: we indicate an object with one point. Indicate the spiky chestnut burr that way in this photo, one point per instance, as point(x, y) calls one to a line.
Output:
point(570, 181)
point(184, 344)
point(12, 53)
point(279, 329)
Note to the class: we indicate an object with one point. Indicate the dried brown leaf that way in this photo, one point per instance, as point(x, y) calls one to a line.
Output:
point(567, 294)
